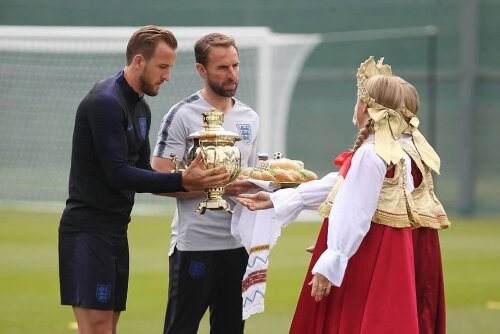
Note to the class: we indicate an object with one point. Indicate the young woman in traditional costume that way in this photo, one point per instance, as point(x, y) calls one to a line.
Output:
point(428, 266)
point(362, 278)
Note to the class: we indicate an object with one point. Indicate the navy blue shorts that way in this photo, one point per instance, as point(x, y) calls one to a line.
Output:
point(93, 270)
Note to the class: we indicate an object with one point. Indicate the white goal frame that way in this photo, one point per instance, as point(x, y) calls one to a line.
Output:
point(272, 61)
point(273, 109)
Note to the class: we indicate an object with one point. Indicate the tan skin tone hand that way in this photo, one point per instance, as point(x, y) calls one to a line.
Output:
point(196, 178)
point(321, 287)
point(257, 201)
point(310, 249)
point(239, 186)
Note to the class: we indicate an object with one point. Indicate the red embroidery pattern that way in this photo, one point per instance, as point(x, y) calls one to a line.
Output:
point(258, 276)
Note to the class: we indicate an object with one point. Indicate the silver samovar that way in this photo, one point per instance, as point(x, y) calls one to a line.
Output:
point(217, 148)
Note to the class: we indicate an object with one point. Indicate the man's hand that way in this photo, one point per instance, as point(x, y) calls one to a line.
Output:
point(239, 186)
point(196, 178)
point(258, 201)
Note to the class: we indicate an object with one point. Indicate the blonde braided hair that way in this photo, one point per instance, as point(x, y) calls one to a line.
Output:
point(363, 134)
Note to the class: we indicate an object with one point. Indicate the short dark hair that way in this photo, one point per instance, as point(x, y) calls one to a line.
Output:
point(145, 40)
point(204, 44)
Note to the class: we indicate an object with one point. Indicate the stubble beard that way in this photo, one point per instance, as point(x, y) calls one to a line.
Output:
point(221, 91)
point(146, 87)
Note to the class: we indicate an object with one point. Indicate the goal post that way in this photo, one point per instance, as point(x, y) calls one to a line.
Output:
point(46, 71)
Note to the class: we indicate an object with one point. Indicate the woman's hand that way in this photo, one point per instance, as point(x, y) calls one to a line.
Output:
point(311, 248)
point(321, 287)
point(257, 201)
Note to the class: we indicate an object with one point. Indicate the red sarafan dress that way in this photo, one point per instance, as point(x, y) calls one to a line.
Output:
point(429, 281)
point(389, 286)
point(426, 248)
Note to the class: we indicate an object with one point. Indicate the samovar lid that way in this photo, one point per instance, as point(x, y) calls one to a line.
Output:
point(212, 127)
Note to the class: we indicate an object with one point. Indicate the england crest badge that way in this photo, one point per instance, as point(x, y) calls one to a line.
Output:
point(196, 269)
point(245, 131)
point(103, 293)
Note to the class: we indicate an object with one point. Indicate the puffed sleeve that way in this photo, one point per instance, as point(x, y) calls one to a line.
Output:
point(351, 213)
point(288, 203)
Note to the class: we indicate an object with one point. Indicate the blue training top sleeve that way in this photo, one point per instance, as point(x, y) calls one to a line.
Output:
point(108, 125)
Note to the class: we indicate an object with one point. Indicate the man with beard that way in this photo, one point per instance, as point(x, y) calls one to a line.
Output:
point(206, 262)
point(110, 161)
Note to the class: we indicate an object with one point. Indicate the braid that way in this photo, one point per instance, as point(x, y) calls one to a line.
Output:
point(363, 133)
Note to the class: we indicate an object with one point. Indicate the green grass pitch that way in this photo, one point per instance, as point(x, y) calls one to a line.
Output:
point(29, 288)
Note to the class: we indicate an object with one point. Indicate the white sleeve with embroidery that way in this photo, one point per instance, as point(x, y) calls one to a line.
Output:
point(288, 203)
point(351, 213)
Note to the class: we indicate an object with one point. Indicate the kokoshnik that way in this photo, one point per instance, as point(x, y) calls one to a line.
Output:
point(420, 208)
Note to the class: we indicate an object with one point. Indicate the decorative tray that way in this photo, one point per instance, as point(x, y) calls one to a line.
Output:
point(286, 184)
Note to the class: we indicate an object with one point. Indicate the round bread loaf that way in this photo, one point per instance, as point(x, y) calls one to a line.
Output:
point(263, 175)
point(296, 176)
point(285, 163)
point(283, 170)
point(308, 175)
point(283, 175)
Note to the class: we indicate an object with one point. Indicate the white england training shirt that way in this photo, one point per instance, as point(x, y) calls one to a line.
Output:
point(212, 230)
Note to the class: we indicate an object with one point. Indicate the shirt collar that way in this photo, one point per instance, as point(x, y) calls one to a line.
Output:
point(129, 93)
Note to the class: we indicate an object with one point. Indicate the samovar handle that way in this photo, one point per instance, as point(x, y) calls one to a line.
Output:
point(175, 161)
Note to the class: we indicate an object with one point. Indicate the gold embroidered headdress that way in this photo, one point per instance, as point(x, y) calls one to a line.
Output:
point(368, 69)
point(389, 124)
point(383, 117)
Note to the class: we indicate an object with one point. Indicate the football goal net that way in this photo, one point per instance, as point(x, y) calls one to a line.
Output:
point(46, 71)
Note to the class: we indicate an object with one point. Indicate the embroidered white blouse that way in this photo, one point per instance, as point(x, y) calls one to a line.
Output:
point(352, 209)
